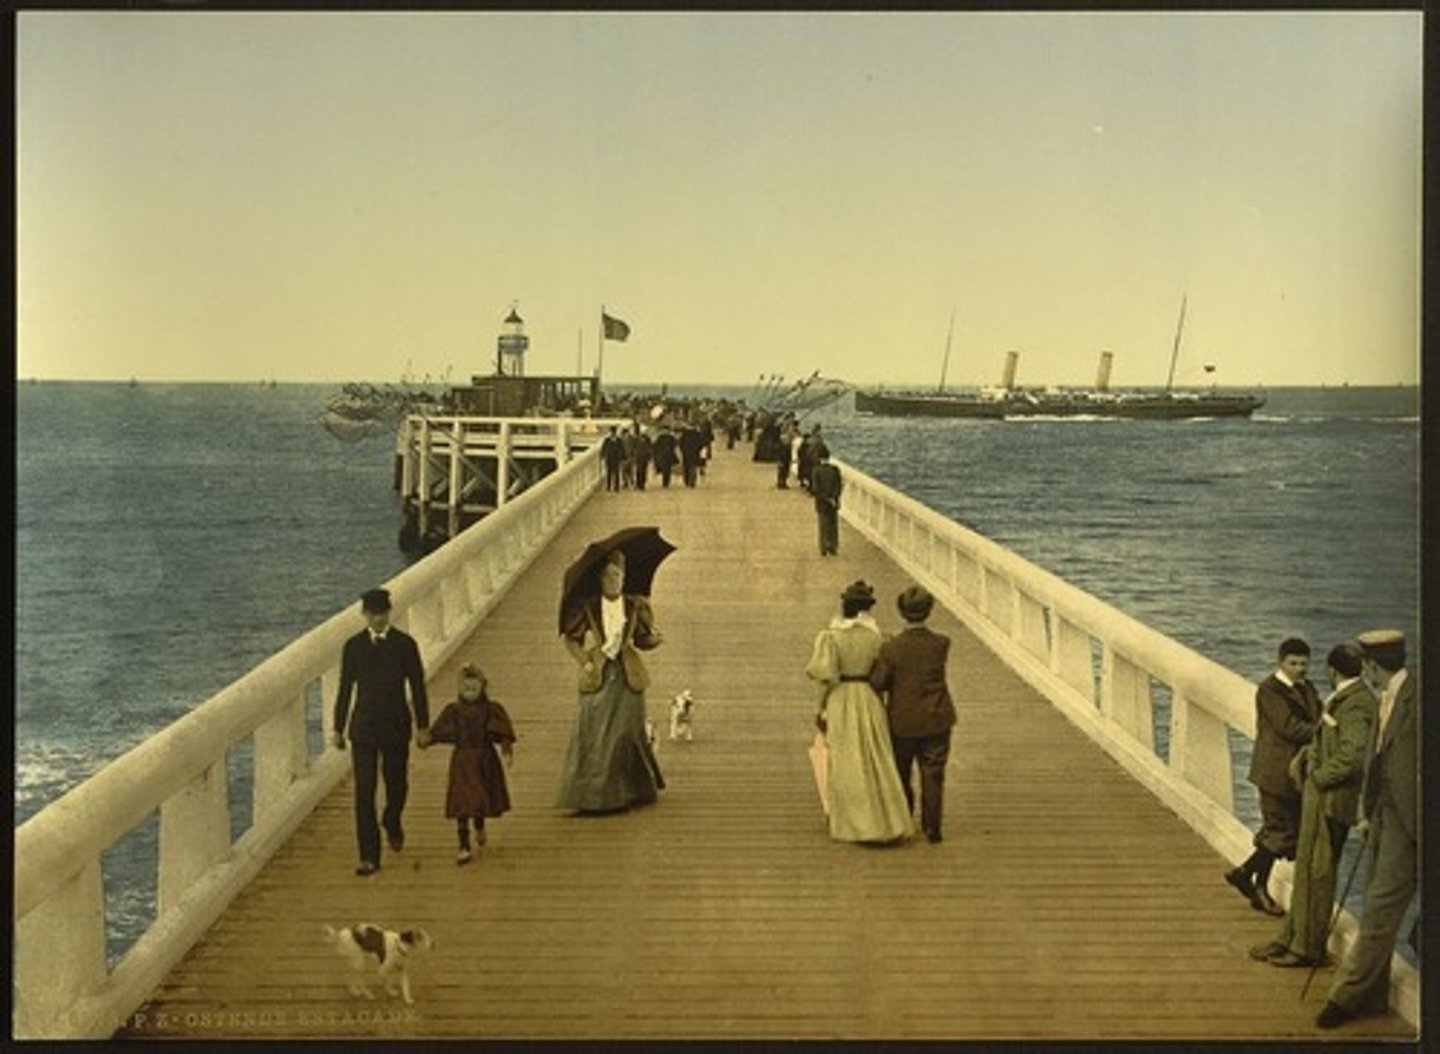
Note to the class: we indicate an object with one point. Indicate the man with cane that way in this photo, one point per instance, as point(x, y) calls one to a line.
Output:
point(1390, 799)
point(1329, 771)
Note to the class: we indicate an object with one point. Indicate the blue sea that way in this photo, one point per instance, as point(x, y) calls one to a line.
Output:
point(171, 536)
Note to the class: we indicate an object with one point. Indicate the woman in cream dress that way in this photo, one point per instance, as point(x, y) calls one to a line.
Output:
point(867, 802)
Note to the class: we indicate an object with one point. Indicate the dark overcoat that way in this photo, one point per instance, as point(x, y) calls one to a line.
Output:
point(911, 669)
point(376, 673)
point(1285, 719)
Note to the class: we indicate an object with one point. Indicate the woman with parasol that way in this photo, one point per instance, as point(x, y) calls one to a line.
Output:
point(864, 797)
point(609, 764)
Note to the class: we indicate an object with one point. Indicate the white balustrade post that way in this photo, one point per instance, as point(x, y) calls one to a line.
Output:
point(329, 688)
point(1070, 656)
point(1200, 751)
point(59, 953)
point(502, 465)
point(1125, 697)
point(457, 451)
point(407, 464)
point(422, 495)
point(194, 833)
point(281, 756)
point(1030, 626)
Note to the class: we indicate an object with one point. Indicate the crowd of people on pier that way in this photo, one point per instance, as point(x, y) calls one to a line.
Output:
point(1323, 765)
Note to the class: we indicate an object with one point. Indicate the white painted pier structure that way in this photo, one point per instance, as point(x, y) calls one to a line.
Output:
point(1077, 895)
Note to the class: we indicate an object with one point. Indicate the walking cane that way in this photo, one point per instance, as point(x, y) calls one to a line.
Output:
point(1335, 916)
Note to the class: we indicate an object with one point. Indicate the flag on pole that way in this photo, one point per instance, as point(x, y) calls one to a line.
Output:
point(614, 328)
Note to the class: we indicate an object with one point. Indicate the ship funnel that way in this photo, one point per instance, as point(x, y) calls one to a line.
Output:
point(1008, 380)
point(1102, 375)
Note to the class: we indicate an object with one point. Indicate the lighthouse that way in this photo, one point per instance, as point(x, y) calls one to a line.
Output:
point(511, 345)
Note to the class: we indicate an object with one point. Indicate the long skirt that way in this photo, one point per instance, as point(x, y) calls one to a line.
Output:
point(867, 802)
point(609, 764)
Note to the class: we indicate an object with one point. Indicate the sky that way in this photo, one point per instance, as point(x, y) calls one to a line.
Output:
point(365, 195)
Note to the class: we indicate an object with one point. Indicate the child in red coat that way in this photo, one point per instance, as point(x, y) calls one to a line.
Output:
point(476, 725)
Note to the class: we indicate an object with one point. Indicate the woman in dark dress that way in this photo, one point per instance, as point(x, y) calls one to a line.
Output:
point(476, 724)
point(609, 764)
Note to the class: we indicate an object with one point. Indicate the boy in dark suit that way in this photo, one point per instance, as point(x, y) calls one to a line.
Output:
point(911, 668)
point(375, 666)
point(1287, 709)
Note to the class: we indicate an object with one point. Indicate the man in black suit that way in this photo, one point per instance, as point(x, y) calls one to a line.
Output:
point(663, 449)
point(692, 441)
point(825, 487)
point(375, 665)
point(612, 452)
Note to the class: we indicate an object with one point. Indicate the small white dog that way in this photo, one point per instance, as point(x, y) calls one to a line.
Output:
point(681, 713)
point(388, 952)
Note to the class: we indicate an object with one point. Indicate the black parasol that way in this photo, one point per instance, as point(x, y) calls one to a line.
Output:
point(644, 551)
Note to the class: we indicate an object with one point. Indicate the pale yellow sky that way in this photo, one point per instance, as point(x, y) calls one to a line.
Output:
point(318, 196)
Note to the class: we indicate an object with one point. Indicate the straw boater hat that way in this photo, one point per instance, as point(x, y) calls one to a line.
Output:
point(1384, 646)
point(915, 604)
point(860, 593)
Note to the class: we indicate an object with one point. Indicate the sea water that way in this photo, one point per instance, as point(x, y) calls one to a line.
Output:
point(169, 537)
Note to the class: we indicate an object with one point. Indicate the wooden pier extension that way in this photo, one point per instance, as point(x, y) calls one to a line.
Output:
point(1065, 903)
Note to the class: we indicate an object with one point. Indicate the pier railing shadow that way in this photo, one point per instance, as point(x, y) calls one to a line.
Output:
point(63, 985)
point(1103, 669)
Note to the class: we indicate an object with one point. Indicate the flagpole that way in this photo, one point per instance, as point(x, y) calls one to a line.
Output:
point(600, 360)
point(580, 351)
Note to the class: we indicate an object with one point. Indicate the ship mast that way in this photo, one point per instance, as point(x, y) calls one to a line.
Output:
point(1174, 355)
point(945, 363)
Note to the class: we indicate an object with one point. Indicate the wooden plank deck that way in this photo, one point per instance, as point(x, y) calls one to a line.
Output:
point(1066, 902)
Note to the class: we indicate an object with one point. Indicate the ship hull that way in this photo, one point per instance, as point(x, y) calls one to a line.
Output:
point(1136, 406)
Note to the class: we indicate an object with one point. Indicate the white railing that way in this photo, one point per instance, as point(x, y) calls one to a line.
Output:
point(62, 985)
point(1099, 667)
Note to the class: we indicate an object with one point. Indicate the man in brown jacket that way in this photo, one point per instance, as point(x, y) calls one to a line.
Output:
point(911, 669)
point(1287, 709)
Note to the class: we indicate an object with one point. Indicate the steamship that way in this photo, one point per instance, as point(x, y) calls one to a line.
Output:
point(1008, 401)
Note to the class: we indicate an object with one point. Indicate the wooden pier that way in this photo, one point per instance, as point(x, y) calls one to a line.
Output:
point(1066, 902)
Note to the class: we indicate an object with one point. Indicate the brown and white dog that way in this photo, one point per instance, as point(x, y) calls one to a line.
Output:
point(681, 716)
point(387, 952)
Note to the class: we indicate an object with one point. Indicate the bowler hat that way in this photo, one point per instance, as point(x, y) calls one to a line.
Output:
point(860, 593)
point(472, 669)
point(375, 600)
point(915, 604)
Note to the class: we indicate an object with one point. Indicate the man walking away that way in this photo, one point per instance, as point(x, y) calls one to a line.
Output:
point(612, 452)
point(825, 487)
point(911, 668)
